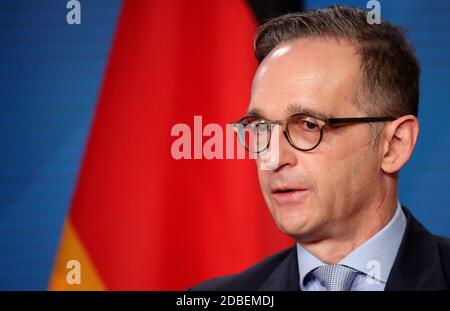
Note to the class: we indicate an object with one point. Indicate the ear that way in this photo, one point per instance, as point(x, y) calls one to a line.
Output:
point(399, 141)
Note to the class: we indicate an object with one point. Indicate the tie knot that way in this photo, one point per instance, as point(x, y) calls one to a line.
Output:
point(335, 277)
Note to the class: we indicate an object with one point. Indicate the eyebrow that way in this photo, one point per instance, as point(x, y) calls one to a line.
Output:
point(299, 108)
point(292, 109)
point(255, 112)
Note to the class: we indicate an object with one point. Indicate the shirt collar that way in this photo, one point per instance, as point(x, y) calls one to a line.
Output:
point(379, 251)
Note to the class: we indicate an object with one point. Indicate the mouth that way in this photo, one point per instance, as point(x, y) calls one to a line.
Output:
point(289, 195)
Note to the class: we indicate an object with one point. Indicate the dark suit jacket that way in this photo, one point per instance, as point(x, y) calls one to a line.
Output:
point(422, 263)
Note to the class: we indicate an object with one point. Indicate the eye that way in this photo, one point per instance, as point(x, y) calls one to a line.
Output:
point(309, 125)
point(261, 127)
point(258, 127)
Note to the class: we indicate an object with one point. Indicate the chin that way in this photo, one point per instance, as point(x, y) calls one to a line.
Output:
point(295, 221)
point(291, 223)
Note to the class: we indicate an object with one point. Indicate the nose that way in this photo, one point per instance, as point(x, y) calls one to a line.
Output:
point(286, 153)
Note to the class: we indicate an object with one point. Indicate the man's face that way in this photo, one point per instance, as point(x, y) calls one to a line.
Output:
point(333, 182)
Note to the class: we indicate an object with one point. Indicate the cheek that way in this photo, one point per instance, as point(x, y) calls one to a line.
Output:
point(324, 175)
point(347, 155)
point(347, 177)
point(332, 176)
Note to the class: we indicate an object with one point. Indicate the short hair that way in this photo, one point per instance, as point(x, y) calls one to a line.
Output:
point(390, 69)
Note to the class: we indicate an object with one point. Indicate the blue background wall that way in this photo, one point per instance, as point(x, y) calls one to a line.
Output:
point(50, 75)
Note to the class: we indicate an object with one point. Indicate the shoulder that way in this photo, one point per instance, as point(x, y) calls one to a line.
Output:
point(444, 250)
point(249, 279)
point(444, 245)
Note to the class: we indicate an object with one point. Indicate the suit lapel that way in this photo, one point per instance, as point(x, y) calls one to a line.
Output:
point(285, 276)
point(417, 265)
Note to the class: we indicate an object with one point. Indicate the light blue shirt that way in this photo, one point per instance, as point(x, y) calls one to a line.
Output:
point(373, 259)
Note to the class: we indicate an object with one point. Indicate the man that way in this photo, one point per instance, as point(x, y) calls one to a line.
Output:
point(346, 93)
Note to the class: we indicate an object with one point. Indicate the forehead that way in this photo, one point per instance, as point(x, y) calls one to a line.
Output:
point(307, 75)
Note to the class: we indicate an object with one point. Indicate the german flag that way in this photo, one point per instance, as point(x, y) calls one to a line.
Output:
point(140, 219)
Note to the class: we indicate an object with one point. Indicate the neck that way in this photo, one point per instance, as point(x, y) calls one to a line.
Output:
point(370, 219)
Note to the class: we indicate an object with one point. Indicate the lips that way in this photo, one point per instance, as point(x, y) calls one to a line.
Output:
point(288, 194)
point(287, 189)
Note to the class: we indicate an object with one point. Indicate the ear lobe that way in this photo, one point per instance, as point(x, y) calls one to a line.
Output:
point(400, 139)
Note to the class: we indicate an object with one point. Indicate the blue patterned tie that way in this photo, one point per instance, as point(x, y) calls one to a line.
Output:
point(335, 277)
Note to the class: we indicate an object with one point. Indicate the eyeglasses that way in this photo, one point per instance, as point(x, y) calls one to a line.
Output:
point(304, 132)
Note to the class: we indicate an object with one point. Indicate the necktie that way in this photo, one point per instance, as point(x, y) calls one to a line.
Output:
point(335, 277)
